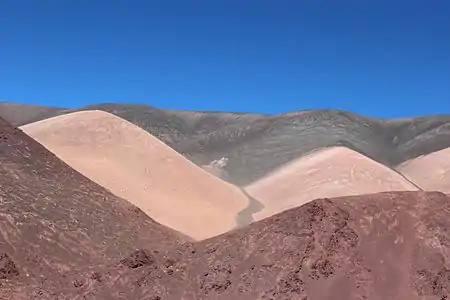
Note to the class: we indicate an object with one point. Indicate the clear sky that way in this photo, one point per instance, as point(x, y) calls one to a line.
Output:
point(378, 58)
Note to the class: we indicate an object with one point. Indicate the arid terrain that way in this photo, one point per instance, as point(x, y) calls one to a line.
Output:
point(54, 220)
point(255, 144)
point(331, 172)
point(138, 167)
point(115, 201)
point(430, 172)
point(380, 246)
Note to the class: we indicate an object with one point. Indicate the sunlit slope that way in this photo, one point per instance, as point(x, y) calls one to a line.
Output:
point(330, 172)
point(431, 172)
point(135, 165)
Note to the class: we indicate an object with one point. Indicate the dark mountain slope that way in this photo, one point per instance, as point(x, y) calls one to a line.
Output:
point(21, 114)
point(257, 144)
point(418, 136)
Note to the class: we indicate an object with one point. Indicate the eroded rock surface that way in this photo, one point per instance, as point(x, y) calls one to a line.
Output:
point(379, 246)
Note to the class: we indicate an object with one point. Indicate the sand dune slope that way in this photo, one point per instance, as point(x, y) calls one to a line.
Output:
point(431, 172)
point(138, 167)
point(330, 172)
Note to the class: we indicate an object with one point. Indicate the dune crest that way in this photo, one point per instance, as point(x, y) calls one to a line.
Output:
point(330, 172)
point(137, 166)
point(431, 172)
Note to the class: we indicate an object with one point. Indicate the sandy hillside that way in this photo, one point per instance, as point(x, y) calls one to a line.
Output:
point(138, 167)
point(431, 172)
point(330, 172)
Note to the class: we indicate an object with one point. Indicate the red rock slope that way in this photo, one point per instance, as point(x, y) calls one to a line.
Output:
point(375, 247)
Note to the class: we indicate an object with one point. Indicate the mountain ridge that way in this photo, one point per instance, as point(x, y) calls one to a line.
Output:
point(255, 144)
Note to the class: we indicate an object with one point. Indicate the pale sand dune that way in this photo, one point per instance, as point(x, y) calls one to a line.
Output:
point(431, 172)
point(138, 167)
point(329, 172)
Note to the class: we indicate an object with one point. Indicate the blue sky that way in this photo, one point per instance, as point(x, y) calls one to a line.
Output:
point(378, 58)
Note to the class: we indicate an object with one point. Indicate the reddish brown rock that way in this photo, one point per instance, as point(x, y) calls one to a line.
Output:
point(377, 247)
point(8, 268)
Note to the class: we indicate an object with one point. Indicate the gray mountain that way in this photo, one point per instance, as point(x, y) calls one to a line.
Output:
point(21, 114)
point(255, 144)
